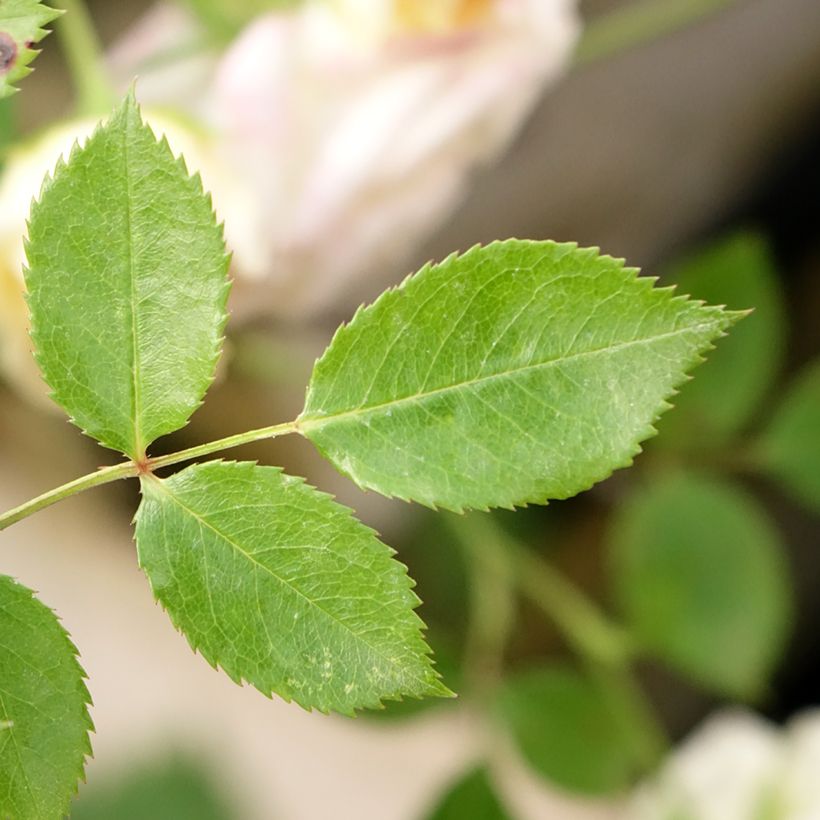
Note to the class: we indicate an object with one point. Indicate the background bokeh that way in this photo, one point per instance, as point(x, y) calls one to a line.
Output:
point(694, 154)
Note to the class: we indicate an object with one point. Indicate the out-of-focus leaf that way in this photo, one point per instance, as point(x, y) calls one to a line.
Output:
point(701, 577)
point(726, 391)
point(472, 798)
point(791, 446)
point(127, 285)
point(226, 18)
point(282, 587)
point(21, 27)
point(515, 373)
point(177, 789)
point(44, 721)
point(568, 731)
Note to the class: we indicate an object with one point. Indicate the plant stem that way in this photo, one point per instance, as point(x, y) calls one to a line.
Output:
point(105, 475)
point(129, 469)
point(492, 605)
point(222, 444)
point(588, 631)
point(640, 22)
point(602, 645)
point(84, 56)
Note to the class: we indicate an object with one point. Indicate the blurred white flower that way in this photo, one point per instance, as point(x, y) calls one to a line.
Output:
point(22, 178)
point(738, 767)
point(355, 125)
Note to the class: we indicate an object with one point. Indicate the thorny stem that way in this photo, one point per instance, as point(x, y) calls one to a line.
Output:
point(84, 56)
point(130, 469)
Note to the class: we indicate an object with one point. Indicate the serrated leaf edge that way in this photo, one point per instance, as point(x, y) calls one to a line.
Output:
point(728, 318)
point(216, 664)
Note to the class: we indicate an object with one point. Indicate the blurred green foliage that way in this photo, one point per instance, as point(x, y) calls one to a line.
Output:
point(791, 446)
point(472, 798)
point(174, 789)
point(700, 574)
point(567, 730)
point(727, 390)
point(225, 20)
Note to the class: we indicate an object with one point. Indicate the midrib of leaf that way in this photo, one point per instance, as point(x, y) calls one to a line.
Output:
point(135, 368)
point(307, 422)
point(205, 523)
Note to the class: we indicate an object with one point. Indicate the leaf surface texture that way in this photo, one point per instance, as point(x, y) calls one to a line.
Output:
point(44, 721)
point(519, 372)
point(127, 286)
point(282, 587)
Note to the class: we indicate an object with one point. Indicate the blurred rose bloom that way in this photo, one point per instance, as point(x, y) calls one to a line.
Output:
point(355, 125)
point(739, 767)
point(334, 137)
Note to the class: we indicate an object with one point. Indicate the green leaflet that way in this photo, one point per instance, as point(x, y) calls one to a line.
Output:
point(568, 730)
point(519, 372)
point(281, 586)
point(127, 286)
point(44, 721)
point(719, 403)
point(471, 798)
point(701, 578)
point(21, 26)
point(791, 446)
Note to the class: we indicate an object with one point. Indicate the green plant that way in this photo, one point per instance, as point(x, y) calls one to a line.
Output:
point(512, 374)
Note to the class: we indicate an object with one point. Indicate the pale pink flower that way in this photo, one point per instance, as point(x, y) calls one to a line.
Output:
point(355, 125)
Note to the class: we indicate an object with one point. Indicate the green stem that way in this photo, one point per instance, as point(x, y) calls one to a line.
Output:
point(641, 22)
point(129, 469)
point(84, 56)
point(223, 444)
point(602, 645)
point(492, 605)
point(105, 475)
point(587, 630)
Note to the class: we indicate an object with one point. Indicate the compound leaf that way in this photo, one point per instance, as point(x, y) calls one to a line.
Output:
point(282, 587)
point(569, 731)
point(519, 372)
point(791, 445)
point(21, 27)
point(127, 285)
point(701, 578)
point(44, 721)
point(719, 403)
point(471, 797)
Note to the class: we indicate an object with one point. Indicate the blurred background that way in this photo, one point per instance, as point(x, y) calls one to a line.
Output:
point(346, 143)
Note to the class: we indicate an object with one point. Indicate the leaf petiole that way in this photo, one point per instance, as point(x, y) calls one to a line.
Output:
point(130, 469)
